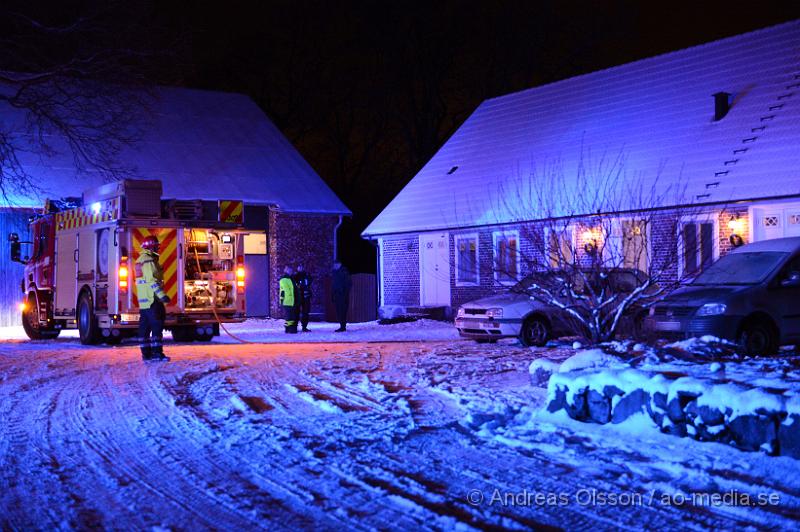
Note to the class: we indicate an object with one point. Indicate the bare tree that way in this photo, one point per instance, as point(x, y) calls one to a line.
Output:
point(600, 245)
point(71, 84)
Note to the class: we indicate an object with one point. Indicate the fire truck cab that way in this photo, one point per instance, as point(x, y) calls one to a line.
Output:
point(80, 272)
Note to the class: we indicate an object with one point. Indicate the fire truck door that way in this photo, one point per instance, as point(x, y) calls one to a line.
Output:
point(86, 257)
point(66, 273)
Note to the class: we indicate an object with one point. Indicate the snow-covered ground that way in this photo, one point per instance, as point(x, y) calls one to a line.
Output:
point(271, 331)
point(398, 427)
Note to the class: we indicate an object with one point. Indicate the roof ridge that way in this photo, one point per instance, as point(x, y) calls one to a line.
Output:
point(688, 49)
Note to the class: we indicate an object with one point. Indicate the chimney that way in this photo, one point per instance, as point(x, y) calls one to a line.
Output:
point(722, 104)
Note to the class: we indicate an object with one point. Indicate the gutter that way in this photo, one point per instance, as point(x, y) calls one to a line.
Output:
point(730, 203)
point(336, 238)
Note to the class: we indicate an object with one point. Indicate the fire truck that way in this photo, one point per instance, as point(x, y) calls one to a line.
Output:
point(80, 270)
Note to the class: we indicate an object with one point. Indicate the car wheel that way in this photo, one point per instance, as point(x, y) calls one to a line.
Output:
point(758, 338)
point(87, 321)
point(640, 332)
point(535, 332)
point(30, 322)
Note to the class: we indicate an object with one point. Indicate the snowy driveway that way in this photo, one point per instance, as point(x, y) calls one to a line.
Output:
point(423, 435)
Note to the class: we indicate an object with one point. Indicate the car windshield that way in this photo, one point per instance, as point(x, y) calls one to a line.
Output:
point(621, 280)
point(539, 278)
point(741, 268)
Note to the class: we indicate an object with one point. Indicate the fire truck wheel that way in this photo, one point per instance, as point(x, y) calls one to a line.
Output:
point(87, 322)
point(30, 322)
point(113, 340)
point(182, 334)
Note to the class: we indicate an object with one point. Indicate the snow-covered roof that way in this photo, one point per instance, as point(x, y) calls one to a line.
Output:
point(200, 144)
point(655, 115)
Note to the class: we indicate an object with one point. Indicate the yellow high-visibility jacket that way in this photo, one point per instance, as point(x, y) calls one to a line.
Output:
point(149, 279)
point(287, 291)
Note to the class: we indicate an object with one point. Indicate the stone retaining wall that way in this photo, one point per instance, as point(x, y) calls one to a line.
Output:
point(749, 417)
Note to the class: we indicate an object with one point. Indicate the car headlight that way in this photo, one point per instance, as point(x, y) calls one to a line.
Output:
point(494, 313)
point(460, 313)
point(712, 309)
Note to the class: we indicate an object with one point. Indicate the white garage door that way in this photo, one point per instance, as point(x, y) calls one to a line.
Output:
point(776, 221)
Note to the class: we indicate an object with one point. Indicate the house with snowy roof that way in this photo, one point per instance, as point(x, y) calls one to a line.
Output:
point(715, 127)
point(209, 146)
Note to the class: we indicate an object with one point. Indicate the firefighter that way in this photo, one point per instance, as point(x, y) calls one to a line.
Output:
point(152, 298)
point(288, 301)
point(302, 281)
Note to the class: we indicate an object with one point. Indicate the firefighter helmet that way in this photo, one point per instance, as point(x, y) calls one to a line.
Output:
point(151, 243)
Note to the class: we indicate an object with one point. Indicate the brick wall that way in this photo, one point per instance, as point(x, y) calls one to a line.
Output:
point(664, 245)
point(401, 270)
point(401, 255)
point(301, 238)
point(725, 232)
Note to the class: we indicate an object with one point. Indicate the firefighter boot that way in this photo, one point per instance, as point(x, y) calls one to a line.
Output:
point(147, 353)
point(157, 350)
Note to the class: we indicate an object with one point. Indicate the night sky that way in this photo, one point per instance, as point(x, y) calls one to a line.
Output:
point(369, 90)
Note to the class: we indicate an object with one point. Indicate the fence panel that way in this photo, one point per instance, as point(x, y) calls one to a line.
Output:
point(363, 299)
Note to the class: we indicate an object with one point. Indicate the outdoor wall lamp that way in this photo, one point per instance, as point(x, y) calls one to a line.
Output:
point(590, 238)
point(736, 225)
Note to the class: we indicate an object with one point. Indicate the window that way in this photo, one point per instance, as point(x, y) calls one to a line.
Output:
point(559, 246)
point(506, 257)
point(634, 244)
point(467, 260)
point(42, 232)
point(627, 244)
point(696, 246)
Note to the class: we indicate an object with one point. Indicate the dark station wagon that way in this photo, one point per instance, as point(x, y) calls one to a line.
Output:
point(750, 296)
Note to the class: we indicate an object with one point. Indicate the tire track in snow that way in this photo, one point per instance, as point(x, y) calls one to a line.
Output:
point(392, 458)
point(218, 493)
point(29, 464)
point(124, 468)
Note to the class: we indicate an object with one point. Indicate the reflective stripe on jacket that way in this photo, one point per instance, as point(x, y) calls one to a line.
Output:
point(287, 291)
point(149, 279)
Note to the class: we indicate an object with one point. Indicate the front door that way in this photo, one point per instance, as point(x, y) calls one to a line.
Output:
point(434, 269)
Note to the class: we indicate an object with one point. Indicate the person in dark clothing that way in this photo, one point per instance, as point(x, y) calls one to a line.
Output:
point(302, 282)
point(288, 301)
point(340, 289)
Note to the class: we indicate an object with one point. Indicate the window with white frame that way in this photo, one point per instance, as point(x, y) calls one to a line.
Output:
point(467, 260)
point(626, 244)
point(559, 246)
point(506, 256)
point(696, 245)
point(634, 244)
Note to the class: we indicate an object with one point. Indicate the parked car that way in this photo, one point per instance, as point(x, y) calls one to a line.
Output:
point(516, 314)
point(750, 296)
